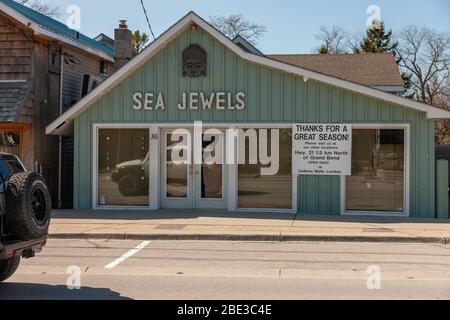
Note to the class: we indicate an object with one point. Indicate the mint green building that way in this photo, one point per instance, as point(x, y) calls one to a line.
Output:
point(125, 139)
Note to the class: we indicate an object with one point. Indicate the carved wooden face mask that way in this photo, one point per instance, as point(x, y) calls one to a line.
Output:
point(194, 62)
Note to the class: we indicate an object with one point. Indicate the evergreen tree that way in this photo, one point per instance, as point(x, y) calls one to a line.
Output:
point(139, 41)
point(377, 40)
point(323, 50)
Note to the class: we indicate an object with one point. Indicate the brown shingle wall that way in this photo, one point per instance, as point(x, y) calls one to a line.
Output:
point(16, 47)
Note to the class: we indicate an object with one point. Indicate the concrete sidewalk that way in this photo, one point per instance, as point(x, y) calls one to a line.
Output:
point(225, 226)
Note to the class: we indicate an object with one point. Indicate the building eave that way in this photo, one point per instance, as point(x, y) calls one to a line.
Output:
point(390, 88)
point(41, 31)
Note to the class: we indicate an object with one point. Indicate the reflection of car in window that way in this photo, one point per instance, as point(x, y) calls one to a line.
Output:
point(132, 177)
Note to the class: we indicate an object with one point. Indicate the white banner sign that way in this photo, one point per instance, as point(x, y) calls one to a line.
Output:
point(322, 149)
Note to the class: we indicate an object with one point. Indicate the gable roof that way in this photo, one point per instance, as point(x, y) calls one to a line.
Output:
point(46, 26)
point(13, 95)
point(62, 125)
point(372, 69)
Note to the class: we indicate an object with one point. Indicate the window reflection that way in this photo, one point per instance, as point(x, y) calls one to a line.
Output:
point(211, 171)
point(123, 167)
point(378, 171)
point(267, 192)
point(177, 160)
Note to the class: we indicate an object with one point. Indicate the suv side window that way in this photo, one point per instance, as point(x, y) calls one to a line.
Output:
point(4, 170)
point(15, 167)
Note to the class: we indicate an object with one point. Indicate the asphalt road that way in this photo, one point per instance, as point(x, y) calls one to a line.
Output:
point(231, 270)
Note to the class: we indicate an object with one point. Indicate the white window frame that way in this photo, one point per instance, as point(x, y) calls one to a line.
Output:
point(164, 168)
point(234, 174)
point(192, 180)
point(153, 152)
point(197, 185)
point(406, 196)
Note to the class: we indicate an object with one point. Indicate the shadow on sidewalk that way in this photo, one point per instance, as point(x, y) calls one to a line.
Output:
point(133, 215)
point(166, 215)
point(25, 291)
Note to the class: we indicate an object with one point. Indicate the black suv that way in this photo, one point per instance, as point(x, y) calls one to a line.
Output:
point(25, 212)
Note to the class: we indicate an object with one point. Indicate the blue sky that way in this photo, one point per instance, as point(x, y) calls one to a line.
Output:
point(291, 24)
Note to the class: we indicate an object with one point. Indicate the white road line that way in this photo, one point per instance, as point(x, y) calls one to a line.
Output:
point(127, 255)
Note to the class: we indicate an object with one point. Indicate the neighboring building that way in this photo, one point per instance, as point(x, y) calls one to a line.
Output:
point(103, 38)
point(376, 70)
point(379, 71)
point(124, 139)
point(45, 68)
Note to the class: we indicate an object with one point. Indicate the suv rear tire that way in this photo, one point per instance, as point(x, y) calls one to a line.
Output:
point(128, 186)
point(28, 206)
point(8, 267)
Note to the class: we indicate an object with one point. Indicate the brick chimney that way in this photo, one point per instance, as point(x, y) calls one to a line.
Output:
point(123, 51)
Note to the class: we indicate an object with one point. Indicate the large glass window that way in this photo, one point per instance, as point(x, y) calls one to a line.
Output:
point(258, 191)
point(123, 167)
point(378, 171)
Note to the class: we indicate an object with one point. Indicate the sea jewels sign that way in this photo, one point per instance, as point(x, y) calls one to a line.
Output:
point(322, 149)
point(150, 101)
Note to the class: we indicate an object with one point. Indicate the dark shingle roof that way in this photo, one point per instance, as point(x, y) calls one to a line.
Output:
point(378, 69)
point(57, 27)
point(13, 96)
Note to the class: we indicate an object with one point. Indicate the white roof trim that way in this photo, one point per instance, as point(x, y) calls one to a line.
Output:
point(39, 30)
point(57, 127)
point(247, 45)
point(390, 88)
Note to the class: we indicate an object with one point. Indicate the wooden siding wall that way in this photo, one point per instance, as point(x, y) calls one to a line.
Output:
point(26, 56)
point(272, 97)
point(46, 109)
point(16, 45)
point(73, 75)
point(72, 83)
point(16, 50)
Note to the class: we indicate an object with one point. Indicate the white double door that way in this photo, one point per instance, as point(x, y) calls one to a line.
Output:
point(193, 173)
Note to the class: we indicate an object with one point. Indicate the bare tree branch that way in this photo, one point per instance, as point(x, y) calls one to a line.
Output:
point(43, 6)
point(425, 54)
point(336, 40)
point(236, 25)
point(333, 40)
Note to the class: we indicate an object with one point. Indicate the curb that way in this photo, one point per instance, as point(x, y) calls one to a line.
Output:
point(247, 238)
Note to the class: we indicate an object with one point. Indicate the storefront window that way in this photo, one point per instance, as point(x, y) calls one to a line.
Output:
point(378, 171)
point(10, 142)
point(257, 191)
point(123, 167)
